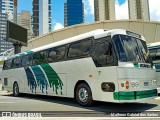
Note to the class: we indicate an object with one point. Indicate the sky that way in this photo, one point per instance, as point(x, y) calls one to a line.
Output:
point(121, 7)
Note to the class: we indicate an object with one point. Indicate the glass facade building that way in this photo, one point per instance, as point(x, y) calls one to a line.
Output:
point(73, 12)
point(6, 6)
point(6, 13)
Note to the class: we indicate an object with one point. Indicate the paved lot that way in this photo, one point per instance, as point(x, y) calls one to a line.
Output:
point(61, 107)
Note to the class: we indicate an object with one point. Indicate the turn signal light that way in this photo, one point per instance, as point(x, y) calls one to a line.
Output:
point(127, 84)
point(122, 84)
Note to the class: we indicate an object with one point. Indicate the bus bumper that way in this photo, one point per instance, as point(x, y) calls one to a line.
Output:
point(158, 89)
point(135, 95)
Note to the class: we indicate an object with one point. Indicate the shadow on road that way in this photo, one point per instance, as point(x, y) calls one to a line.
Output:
point(97, 106)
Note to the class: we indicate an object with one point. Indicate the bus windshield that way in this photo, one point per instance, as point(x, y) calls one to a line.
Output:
point(131, 49)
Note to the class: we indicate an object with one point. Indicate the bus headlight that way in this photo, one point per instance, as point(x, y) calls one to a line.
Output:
point(135, 84)
point(154, 82)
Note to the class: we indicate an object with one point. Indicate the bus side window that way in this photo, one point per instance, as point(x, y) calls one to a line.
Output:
point(80, 49)
point(7, 64)
point(39, 57)
point(16, 62)
point(103, 52)
point(84, 47)
point(73, 50)
point(56, 54)
point(27, 60)
point(52, 55)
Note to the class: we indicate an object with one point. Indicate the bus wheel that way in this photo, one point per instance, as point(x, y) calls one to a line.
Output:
point(15, 89)
point(84, 95)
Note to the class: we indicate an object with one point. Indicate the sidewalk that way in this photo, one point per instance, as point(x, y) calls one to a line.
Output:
point(3, 92)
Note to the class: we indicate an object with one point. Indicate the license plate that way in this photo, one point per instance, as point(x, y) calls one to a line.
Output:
point(145, 83)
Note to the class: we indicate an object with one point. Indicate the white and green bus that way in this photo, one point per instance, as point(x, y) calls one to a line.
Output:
point(154, 49)
point(101, 65)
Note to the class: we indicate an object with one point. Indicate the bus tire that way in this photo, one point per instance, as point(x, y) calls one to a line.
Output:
point(15, 89)
point(84, 95)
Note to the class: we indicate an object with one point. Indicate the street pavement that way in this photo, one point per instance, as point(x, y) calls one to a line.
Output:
point(3, 92)
point(48, 106)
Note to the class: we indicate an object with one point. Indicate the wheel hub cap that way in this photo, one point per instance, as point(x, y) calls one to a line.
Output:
point(83, 95)
point(16, 89)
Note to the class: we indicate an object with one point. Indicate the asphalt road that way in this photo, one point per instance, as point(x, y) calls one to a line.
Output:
point(68, 107)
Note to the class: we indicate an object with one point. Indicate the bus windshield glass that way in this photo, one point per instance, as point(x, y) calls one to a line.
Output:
point(131, 49)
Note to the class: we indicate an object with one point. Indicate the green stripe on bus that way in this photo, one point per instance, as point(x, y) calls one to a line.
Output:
point(124, 96)
point(126, 93)
point(29, 51)
point(21, 54)
point(146, 92)
point(146, 96)
point(41, 79)
point(54, 80)
point(24, 53)
point(134, 95)
point(136, 65)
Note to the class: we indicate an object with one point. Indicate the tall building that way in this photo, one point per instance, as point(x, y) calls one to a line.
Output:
point(104, 10)
point(6, 13)
point(139, 9)
point(36, 17)
point(6, 6)
point(42, 19)
point(24, 19)
point(73, 12)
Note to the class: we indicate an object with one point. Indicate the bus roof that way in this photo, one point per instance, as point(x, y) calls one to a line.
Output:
point(95, 33)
